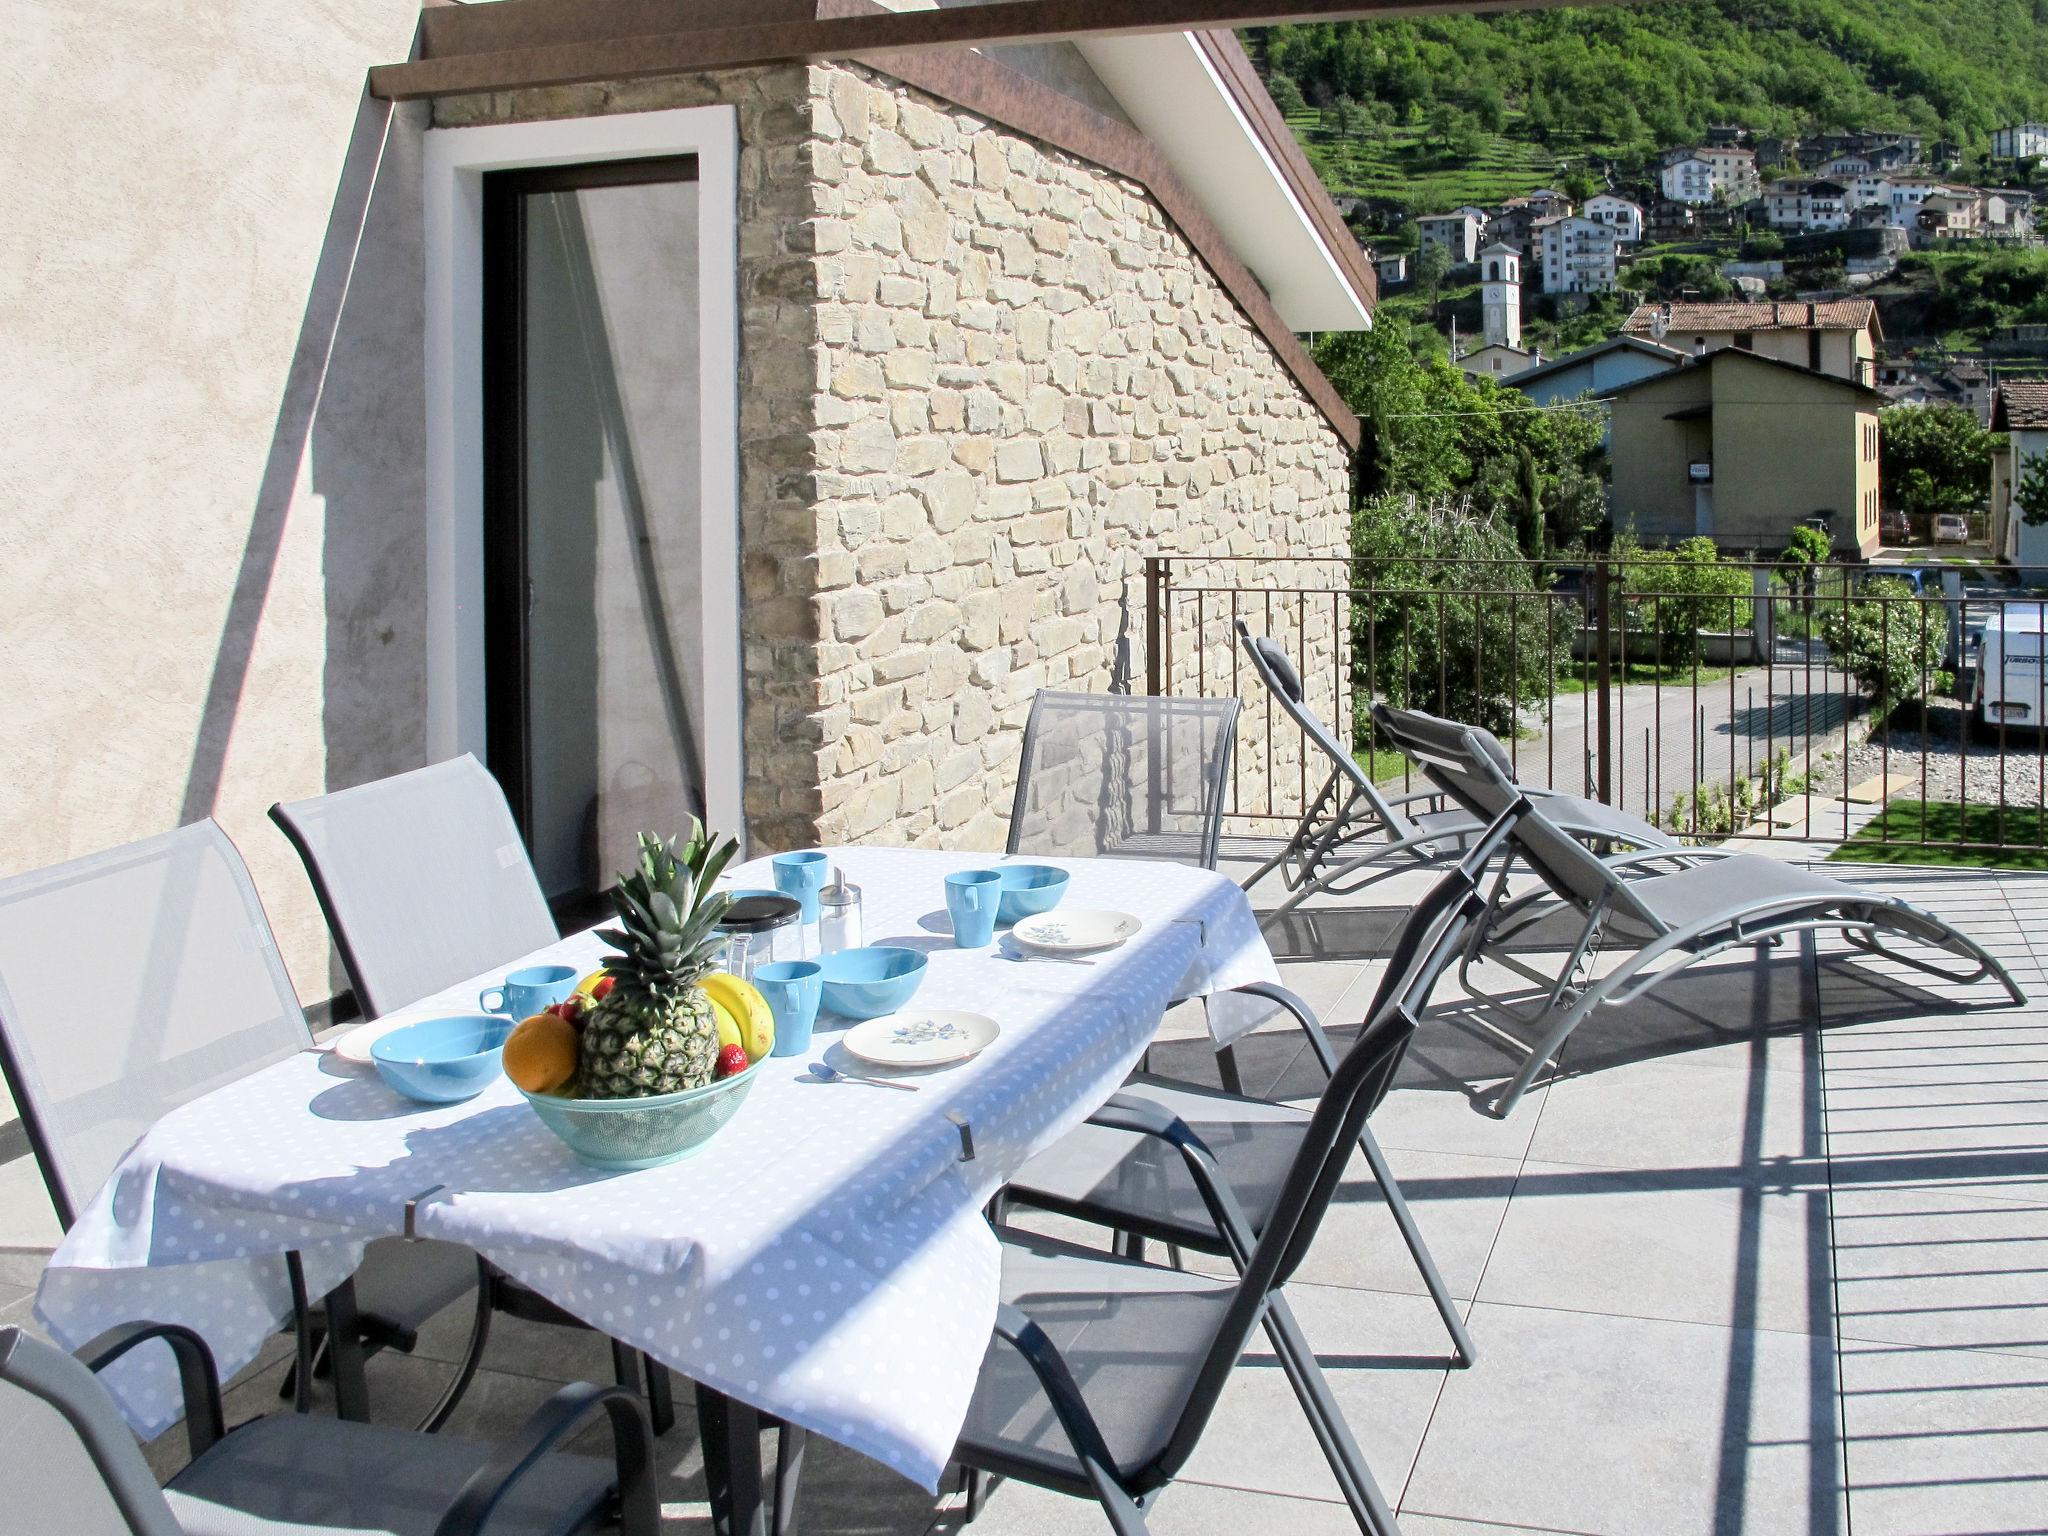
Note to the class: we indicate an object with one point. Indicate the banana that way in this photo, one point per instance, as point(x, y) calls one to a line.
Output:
point(728, 1022)
point(745, 1003)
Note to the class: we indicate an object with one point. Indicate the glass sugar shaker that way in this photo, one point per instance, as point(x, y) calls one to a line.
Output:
point(838, 916)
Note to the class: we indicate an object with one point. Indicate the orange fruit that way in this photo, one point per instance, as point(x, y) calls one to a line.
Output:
point(540, 1053)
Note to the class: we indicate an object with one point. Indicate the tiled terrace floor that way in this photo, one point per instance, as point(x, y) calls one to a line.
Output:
point(1728, 1273)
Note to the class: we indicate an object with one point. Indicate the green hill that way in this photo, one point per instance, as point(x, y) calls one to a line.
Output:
point(1479, 107)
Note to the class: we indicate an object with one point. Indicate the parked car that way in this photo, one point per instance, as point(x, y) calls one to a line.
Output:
point(2008, 689)
point(1951, 528)
point(1895, 528)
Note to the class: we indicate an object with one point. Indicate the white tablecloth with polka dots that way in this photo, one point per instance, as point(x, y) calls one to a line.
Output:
point(824, 1257)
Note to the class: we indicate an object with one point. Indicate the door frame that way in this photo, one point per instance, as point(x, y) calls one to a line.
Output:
point(454, 163)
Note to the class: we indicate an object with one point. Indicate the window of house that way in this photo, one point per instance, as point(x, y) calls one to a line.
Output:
point(1745, 340)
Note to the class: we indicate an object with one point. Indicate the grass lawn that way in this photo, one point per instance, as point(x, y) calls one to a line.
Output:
point(1583, 675)
point(1383, 765)
point(1929, 832)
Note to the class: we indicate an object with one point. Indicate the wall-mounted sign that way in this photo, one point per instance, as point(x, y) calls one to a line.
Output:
point(1700, 473)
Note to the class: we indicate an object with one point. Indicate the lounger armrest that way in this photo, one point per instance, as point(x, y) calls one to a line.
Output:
point(560, 1417)
point(1137, 1116)
point(1434, 796)
point(1022, 1334)
point(198, 1378)
point(1642, 856)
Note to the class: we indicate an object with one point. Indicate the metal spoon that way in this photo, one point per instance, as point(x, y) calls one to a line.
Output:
point(825, 1074)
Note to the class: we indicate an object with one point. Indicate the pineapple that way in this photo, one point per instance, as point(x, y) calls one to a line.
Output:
point(655, 1031)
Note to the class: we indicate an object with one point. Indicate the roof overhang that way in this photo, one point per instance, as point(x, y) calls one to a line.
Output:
point(1194, 95)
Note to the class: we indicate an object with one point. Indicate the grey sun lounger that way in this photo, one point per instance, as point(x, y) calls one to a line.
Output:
point(1674, 906)
point(1354, 833)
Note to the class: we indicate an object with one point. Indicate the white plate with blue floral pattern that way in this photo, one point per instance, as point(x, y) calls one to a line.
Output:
point(1075, 933)
point(930, 1037)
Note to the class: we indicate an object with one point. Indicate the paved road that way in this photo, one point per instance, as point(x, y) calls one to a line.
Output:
point(1667, 737)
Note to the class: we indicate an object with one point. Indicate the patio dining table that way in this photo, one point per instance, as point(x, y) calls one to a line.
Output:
point(824, 1259)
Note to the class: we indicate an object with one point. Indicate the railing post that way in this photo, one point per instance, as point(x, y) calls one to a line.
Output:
point(1602, 639)
point(1155, 624)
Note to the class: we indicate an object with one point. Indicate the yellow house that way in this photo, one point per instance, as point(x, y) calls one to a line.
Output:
point(1741, 448)
point(1839, 336)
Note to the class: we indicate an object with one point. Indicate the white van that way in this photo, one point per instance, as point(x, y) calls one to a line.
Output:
point(2009, 685)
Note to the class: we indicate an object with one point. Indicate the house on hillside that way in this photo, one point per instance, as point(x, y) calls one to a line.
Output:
point(1954, 213)
point(2009, 214)
point(1741, 448)
point(1698, 175)
point(1625, 218)
point(1496, 360)
point(1838, 336)
point(1455, 234)
point(2022, 141)
point(831, 411)
point(1908, 193)
point(1595, 372)
point(1801, 203)
point(1549, 203)
point(1847, 167)
point(2020, 416)
point(1514, 225)
point(1391, 268)
point(1579, 255)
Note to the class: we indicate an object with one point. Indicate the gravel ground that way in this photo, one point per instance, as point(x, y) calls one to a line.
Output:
point(2013, 773)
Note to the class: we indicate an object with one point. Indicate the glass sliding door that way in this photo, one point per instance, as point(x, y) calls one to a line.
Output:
point(592, 528)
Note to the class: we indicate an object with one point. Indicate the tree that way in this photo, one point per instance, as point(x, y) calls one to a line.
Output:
point(1890, 641)
point(1679, 594)
point(2030, 495)
point(1286, 94)
point(1934, 458)
point(1446, 615)
point(1578, 185)
point(1432, 266)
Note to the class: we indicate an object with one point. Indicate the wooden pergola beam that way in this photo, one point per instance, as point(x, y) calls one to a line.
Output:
point(683, 49)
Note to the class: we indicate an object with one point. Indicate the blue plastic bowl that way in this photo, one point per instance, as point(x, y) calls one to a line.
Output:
point(869, 982)
point(443, 1061)
point(1029, 889)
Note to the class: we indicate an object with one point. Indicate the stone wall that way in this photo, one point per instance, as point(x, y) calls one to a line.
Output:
point(980, 381)
point(1032, 382)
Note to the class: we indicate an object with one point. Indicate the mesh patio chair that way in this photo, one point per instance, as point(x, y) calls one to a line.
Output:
point(1137, 1186)
point(1354, 833)
point(1672, 906)
point(134, 981)
point(425, 881)
point(1103, 1372)
point(1114, 775)
point(293, 1473)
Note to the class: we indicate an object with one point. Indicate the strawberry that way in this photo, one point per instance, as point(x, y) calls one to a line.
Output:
point(569, 1008)
point(601, 988)
point(731, 1061)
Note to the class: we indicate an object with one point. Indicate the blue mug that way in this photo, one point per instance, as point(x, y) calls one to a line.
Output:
point(801, 875)
point(973, 897)
point(792, 988)
point(528, 991)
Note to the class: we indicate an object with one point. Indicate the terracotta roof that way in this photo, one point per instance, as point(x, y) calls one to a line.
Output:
point(1831, 315)
point(2023, 405)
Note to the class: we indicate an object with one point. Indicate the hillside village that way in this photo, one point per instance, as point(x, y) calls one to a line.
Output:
point(1784, 248)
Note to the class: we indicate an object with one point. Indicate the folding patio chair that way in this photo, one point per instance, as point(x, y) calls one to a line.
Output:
point(1354, 833)
point(1136, 1185)
point(1670, 905)
point(81, 1470)
point(424, 880)
point(136, 980)
point(1103, 1372)
point(1117, 775)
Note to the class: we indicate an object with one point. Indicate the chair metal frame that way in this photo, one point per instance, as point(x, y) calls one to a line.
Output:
point(1215, 772)
point(1351, 809)
point(335, 1319)
point(496, 1291)
point(60, 1381)
point(1600, 891)
point(1264, 1260)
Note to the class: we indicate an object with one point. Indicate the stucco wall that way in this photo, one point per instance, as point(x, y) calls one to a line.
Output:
point(210, 438)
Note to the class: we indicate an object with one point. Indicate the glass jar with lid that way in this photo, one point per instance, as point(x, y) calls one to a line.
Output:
point(760, 926)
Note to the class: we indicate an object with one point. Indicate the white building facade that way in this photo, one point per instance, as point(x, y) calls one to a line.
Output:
point(1698, 175)
point(1618, 214)
point(1455, 233)
point(2019, 141)
point(1579, 255)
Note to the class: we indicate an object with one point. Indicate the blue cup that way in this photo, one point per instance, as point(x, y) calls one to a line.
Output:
point(973, 897)
point(801, 875)
point(527, 992)
point(792, 988)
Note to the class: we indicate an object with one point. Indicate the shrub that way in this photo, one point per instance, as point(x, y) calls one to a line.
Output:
point(1892, 648)
point(1446, 614)
point(1677, 594)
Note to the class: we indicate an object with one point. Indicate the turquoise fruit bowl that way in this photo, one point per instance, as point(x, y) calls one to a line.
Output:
point(872, 981)
point(1029, 889)
point(623, 1135)
point(443, 1061)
